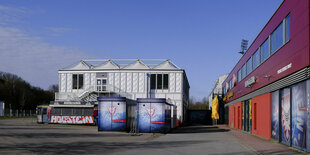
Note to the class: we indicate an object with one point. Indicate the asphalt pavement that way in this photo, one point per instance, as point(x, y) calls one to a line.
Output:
point(25, 136)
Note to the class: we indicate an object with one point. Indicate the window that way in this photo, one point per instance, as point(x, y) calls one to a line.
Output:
point(166, 81)
point(264, 51)
point(276, 38)
point(256, 59)
point(102, 84)
point(249, 66)
point(153, 81)
point(239, 75)
point(287, 28)
point(159, 81)
point(77, 81)
point(243, 72)
point(231, 84)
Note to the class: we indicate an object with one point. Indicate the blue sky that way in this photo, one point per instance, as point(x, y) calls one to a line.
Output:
point(201, 36)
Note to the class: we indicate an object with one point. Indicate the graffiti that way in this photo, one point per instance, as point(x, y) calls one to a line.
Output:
point(72, 119)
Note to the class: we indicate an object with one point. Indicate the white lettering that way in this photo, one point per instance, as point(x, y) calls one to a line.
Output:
point(284, 68)
point(72, 119)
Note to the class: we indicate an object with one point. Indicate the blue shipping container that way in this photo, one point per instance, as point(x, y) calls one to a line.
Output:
point(111, 113)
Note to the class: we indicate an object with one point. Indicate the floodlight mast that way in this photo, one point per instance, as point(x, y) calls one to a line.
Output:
point(244, 46)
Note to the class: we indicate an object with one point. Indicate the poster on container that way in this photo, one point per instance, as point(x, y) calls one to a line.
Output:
point(299, 115)
point(105, 116)
point(285, 116)
point(118, 112)
point(275, 115)
point(144, 117)
point(158, 117)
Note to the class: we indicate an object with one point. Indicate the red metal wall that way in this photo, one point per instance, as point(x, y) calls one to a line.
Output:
point(231, 116)
point(238, 116)
point(296, 51)
point(261, 115)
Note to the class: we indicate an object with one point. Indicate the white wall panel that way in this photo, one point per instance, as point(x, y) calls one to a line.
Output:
point(142, 82)
point(93, 81)
point(135, 82)
point(129, 82)
point(116, 82)
point(178, 82)
point(172, 82)
point(111, 82)
point(123, 82)
point(63, 81)
point(87, 81)
point(69, 82)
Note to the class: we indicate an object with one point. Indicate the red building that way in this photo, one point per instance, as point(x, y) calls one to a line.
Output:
point(268, 91)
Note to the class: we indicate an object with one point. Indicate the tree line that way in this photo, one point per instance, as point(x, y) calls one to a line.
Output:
point(20, 95)
point(198, 105)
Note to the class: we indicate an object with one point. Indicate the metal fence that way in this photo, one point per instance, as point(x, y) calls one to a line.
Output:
point(18, 113)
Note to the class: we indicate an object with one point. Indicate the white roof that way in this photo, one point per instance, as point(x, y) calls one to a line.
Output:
point(160, 64)
point(137, 65)
point(108, 65)
point(80, 65)
point(166, 65)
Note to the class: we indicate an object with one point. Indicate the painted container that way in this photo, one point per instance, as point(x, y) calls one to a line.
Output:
point(154, 115)
point(111, 113)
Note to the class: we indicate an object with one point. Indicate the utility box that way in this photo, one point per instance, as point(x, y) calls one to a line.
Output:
point(111, 113)
point(154, 115)
point(2, 106)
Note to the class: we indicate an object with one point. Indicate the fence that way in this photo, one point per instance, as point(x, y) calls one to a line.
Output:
point(19, 113)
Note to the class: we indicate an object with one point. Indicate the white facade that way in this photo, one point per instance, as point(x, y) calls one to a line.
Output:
point(217, 90)
point(110, 78)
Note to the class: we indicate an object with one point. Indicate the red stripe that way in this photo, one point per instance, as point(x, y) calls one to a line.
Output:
point(119, 121)
point(303, 108)
point(158, 122)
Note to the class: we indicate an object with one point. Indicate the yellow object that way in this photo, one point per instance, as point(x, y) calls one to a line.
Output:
point(215, 108)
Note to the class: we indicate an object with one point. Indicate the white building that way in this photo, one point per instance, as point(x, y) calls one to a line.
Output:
point(130, 78)
point(217, 89)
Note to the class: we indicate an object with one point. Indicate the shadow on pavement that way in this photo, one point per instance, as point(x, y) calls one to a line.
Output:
point(198, 129)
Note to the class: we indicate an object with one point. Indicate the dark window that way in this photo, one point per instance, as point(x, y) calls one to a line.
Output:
point(77, 81)
point(159, 81)
point(56, 111)
point(66, 111)
point(81, 81)
point(74, 81)
point(166, 81)
point(77, 112)
point(88, 112)
point(264, 51)
point(287, 28)
point(153, 81)
point(276, 38)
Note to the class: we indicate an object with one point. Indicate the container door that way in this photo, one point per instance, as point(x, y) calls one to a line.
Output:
point(144, 117)
point(157, 114)
point(105, 112)
point(286, 116)
point(118, 116)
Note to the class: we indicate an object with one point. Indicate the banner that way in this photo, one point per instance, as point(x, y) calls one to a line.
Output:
point(286, 116)
point(299, 115)
point(215, 108)
point(72, 119)
point(275, 115)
